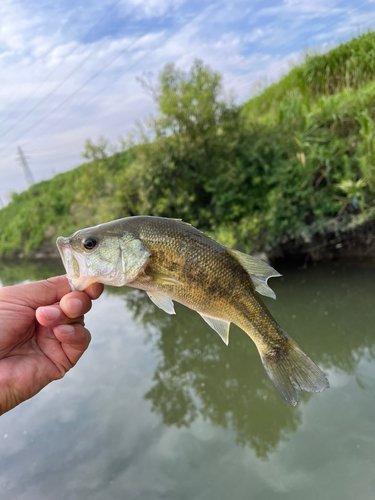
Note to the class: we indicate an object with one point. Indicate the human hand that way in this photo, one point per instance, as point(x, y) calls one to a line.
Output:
point(42, 335)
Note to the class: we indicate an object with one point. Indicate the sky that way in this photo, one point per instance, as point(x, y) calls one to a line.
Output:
point(69, 68)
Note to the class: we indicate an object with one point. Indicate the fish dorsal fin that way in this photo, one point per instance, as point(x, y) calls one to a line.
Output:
point(220, 326)
point(163, 302)
point(188, 224)
point(134, 255)
point(164, 279)
point(258, 270)
point(182, 222)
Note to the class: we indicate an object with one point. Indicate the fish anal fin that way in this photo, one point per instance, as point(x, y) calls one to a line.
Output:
point(164, 279)
point(262, 287)
point(163, 302)
point(220, 326)
point(258, 270)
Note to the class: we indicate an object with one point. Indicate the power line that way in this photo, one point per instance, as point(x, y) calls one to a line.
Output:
point(75, 69)
point(132, 66)
point(89, 80)
point(24, 101)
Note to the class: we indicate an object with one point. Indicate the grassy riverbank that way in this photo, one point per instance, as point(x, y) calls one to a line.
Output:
point(290, 170)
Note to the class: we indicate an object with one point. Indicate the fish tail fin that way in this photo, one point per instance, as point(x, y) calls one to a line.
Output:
point(291, 371)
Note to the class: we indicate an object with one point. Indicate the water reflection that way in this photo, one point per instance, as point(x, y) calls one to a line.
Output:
point(198, 375)
point(16, 271)
point(328, 311)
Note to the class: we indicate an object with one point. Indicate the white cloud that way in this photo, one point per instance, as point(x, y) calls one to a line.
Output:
point(13, 27)
point(254, 35)
point(157, 8)
point(317, 8)
point(33, 46)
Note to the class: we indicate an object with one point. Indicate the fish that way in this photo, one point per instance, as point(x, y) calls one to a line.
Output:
point(173, 261)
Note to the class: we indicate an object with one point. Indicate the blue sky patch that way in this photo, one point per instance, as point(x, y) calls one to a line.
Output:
point(68, 68)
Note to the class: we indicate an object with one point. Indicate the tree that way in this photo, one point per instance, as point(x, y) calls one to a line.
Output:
point(194, 133)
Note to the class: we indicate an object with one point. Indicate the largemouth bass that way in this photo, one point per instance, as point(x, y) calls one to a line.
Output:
point(173, 261)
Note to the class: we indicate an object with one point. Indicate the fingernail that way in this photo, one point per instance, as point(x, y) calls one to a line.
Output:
point(66, 329)
point(51, 313)
point(75, 305)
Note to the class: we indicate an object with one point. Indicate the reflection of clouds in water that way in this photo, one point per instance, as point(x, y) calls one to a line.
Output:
point(196, 375)
point(92, 434)
point(72, 422)
point(330, 440)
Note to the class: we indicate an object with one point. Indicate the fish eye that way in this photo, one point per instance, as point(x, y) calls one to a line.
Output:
point(89, 243)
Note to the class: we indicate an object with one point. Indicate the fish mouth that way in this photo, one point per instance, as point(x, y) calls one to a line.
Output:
point(75, 265)
point(70, 263)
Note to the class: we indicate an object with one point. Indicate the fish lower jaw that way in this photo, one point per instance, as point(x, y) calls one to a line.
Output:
point(80, 284)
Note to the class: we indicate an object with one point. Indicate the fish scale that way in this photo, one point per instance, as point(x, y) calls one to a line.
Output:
point(224, 289)
point(173, 261)
point(204, 264)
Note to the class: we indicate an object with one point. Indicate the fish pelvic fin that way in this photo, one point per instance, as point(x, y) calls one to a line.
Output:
point(291, 371)
point(258, 270)
point(165, 303)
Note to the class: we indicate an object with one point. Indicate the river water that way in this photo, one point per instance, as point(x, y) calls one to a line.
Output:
point(159, 408)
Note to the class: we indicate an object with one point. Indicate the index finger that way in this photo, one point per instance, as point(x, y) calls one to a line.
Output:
point(95, 290)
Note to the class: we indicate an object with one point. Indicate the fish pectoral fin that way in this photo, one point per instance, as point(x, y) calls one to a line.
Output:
point(258, 270)
point(164, 279)
point(163, 302)
point(220, 326)
point(134, 255)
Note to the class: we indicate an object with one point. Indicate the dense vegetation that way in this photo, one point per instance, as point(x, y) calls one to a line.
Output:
point(296, 161)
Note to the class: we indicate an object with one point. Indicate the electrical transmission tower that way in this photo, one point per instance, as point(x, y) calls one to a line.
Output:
point(26, 169)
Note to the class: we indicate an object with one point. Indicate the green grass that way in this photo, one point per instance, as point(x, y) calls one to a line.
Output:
point(83, 196)
point(351, 64)
point(294, 162)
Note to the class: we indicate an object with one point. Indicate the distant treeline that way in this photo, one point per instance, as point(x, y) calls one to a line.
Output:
point(293, 163)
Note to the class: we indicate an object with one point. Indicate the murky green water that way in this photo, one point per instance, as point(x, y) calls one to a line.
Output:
point(160, 408)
